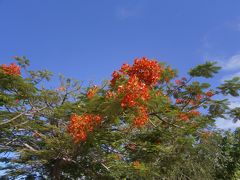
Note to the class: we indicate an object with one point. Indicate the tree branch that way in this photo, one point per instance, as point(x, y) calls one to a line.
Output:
point(161, 119)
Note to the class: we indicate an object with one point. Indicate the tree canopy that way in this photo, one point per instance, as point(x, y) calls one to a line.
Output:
point(145, 123)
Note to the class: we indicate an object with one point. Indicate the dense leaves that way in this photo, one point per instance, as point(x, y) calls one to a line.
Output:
point(145, 123)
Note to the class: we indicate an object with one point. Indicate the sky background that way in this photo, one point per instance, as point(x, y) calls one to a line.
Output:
point(88, 39)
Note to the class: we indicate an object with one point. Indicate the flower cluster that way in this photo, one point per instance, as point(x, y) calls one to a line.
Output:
point(180, 101)
point(142, 117)
point(136, 164)
point(133, 91)
point(181, 82)
point(185, 116)
point(133, 84)
point(147, 71)
point(11, 70)
point(110, 94)
point(194, 113)
point(80, 126)
point(91, 92)
point(61, 89)
point(196, 100)
point(209, 94)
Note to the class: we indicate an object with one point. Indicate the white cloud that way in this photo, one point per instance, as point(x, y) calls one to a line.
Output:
point(227, 124)
point(230, 76)
point(233, 63)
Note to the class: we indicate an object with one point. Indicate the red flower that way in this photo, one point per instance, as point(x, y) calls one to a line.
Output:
point(199, 97)
point(184, 117)
point(179, 101)
point(132, 92)
point(125, 68)
point(147, 71)
point(110, 94)
point(80, 126)
point(115, 76)
point(194, 113)
point(61, 89)
point(92, 92)
point(209, 94)
point(142, 117)
point(178, 82)
point(133, 85)
point(11, 70)
point(136, 164)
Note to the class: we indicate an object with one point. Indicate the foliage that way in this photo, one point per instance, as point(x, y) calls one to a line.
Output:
point(145, 123)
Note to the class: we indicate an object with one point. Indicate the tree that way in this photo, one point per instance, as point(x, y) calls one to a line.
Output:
point(140, 125)
point(229, 165)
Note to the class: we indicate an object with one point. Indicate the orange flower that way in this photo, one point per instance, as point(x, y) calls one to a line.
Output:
point(115, 76)
point(61, 89)
point(142, 117)
point(125, 68)
point(209, 94)
point(194, 113)
point(11, 70)
point(184, 117)
point(136, 164)
point(179, 101)
point(133, 91)
point(80, 126)
point(110, 94)
point(133, 84)
point(178, 82)
point(92, 92)
point(199, 97)
point(147, 71)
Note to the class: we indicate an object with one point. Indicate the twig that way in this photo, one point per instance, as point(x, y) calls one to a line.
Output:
point(22, 113)
point(105, 167)
point(13, 118)
point(29, 147)
point(152, 123)
point(155, 114)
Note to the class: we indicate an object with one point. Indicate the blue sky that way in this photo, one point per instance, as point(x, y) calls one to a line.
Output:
point(89, 39)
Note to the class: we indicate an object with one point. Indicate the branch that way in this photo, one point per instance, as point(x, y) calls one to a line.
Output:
point(22, 113)
point(155, 114)
point(13, 118)
point(29, 147)
point(105, 167)
point(152, 123)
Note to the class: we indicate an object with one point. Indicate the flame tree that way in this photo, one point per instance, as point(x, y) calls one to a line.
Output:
point(145, 123)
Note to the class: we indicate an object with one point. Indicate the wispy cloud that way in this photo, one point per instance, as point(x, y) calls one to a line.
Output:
point(232, 63)
point(227, 124)
point(131, 10)
point(231, 66)
point(230, 76)
point(124, 12)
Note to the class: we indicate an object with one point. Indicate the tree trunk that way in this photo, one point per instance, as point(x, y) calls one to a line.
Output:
point(55, 170)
